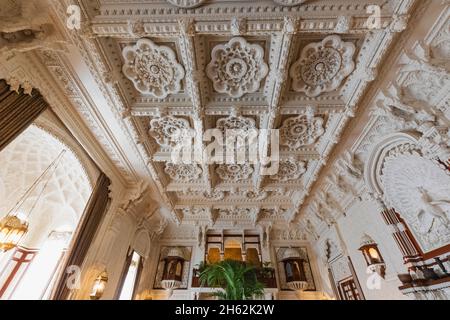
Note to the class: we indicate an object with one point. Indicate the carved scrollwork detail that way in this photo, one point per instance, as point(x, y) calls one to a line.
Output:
point(289, 170)
point(215, 195)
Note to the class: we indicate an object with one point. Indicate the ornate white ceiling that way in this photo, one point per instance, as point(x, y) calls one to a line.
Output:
point(139, 71)
point(298, 66)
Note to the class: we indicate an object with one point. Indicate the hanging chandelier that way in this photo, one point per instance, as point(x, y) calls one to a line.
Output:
point(12, 228)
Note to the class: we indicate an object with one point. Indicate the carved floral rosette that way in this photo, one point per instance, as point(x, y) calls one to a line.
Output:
point(241, 130)
point(234, 172)
point(300, 131)
point(153, 69)
point(237, 67)
point(289, 170)
point(169, 131)
point(323, 66)
point(183, 172)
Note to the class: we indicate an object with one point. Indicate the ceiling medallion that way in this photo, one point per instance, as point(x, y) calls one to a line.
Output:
point(234, 172)
point(244, 128)
point(323, 66)
point(153, 69)
point(235, 123)
point(183, 172)
point(169, 131)
point(186, 3)
point(289, 3)
point(289, 170)
point(237, 68)
point(301, 131)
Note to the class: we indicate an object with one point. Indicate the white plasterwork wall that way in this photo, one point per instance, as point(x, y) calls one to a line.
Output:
point(364, 218)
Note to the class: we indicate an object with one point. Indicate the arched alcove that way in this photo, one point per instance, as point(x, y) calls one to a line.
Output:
point(374, 163)
point(53, 207)
point(141, 242)
point(415, 186)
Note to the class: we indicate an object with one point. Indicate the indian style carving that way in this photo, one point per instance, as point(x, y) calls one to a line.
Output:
point(419, 190)
point(235, 123)
point(153, 69)
point(289, 170)
point(169, 131)
point(237, 67)
point(186, 3)
point(299, 131)
point(290, 3)
point(323, 66)
point(234, 172)
point(183, 172)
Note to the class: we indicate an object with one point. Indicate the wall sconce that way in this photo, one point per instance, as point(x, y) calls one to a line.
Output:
point(372, 255)
point(294, 270)
point(99, 286)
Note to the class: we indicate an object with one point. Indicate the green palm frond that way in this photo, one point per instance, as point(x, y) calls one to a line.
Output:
point(237, 278)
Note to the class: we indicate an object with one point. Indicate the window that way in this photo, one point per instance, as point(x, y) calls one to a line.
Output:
point(41, 272)
point(29, 274)
point(348, 290)
point(131, 279)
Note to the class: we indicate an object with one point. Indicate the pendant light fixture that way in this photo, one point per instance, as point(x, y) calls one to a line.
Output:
point(12, 228)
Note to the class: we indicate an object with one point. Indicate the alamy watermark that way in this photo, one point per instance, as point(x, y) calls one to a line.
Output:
point(73, 281)
point(73, 21)
point(374, 20)
point(374, 279)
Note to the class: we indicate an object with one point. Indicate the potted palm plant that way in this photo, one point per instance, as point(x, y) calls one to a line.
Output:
point(237, 279)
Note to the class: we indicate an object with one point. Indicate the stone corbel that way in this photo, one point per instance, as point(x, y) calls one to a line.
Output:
point(135, 196)
point(201, 235)
point(15, 85)
point(265, 230)
point(213, 215)
point(352, 167)
point(171, 215)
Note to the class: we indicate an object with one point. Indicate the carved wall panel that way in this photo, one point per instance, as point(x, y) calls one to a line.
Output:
point(279, 251)
point(165, 250)
point(420, 191)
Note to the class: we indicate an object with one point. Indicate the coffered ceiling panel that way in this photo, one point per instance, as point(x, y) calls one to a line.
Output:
point(182, 67)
